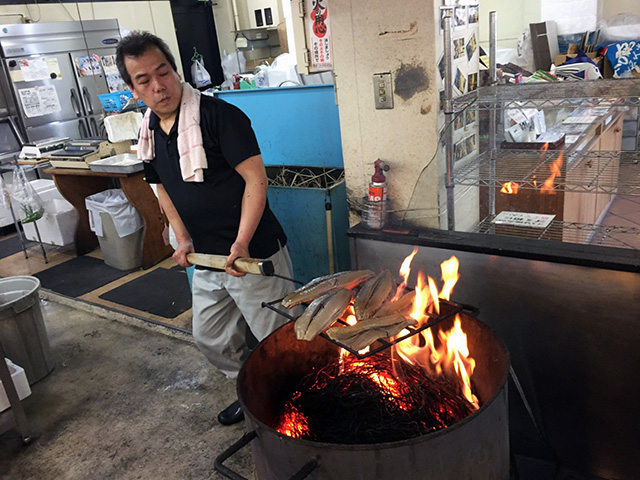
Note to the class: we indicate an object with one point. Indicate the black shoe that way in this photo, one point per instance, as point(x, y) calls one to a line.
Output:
point(232, 414)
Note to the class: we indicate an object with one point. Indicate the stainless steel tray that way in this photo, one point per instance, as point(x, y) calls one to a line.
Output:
point(123, 163)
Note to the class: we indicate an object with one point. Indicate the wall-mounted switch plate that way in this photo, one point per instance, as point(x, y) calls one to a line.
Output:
point(382, 92)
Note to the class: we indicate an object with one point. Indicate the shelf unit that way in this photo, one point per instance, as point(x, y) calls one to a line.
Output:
point(595, 172)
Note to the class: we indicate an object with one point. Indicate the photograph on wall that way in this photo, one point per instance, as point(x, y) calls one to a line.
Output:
point(441, 67)
point(458, 122)
point(460, 17)
point(473, 82)
point(458, 48)
point(473, 14)
point(469, 117)
point(460, 81)
point(470, 144)
point(460, 149)
point(472, 46)
point(444, 12)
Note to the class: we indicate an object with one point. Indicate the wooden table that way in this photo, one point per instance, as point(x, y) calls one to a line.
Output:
point(76, 184)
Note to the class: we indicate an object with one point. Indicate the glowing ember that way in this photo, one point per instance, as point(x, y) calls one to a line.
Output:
point(510, 188)
point(422, 384)
point(548, 186)
point(368, 401)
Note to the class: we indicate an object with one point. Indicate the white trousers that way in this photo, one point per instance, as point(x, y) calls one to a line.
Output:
point(224, 306)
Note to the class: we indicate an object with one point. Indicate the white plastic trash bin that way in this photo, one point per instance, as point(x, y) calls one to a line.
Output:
point(118, 226)
point(22, 331)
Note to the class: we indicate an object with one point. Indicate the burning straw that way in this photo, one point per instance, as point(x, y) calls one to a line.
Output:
point(363, 402)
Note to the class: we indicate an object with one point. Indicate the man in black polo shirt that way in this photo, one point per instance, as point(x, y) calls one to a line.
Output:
point(226, 212)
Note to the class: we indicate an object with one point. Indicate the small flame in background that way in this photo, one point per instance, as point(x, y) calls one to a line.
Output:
point(510, 188)
point(548, 185)
point(448, 356)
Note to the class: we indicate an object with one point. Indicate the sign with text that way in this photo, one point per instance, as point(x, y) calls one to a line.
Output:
point(319, 35)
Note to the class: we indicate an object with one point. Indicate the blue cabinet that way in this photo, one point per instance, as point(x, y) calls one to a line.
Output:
point(298, 129)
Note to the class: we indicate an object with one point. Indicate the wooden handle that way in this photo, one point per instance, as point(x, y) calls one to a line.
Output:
point(245, 265)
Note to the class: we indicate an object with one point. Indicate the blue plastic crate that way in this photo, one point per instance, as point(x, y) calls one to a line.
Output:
point(114, 102)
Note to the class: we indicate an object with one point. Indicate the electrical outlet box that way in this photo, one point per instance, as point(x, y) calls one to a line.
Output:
point(382, 92)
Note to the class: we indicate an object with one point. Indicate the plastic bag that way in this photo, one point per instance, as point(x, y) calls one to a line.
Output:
point(232, 64)
point(29, 204)
point(283, 72)
point(199, 74)
point(620, 28)
point(5, 197)
point(126, 218)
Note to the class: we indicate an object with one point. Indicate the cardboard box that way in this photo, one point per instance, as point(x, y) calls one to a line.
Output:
point(282, 37)
point(19, 380)
point(601, 62)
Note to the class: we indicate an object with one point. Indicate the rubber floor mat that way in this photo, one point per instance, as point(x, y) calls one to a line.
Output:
point(163, 292)
point(78, 276)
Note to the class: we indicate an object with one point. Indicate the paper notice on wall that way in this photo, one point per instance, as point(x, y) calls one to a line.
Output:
point(111, 73)
point(319, 34)
point(34, 69)
point(87, 66)
point(39, 101)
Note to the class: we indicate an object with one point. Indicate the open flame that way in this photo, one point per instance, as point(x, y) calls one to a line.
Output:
point(452, 352)
point(449, 355)
point(548, 186)
point(510, 188)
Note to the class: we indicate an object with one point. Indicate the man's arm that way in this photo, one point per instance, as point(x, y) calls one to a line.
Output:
point(254, 200)
point(182, 236)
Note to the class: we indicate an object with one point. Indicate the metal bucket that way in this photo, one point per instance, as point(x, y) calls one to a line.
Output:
point(22, 331)
point(474, 448)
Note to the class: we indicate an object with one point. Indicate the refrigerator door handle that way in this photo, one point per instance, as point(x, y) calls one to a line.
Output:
point(82, 127)
point(94, 127)
point(87, 99)
point(75, 103)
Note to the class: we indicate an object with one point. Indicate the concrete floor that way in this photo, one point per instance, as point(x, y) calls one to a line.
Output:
point(126, 399)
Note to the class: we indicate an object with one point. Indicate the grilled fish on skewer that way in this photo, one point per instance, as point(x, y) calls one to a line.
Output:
point(326, 284)
point(364, 333)
point(366, 338)
point(321, 313)
point(373, 294)
point(403, 305)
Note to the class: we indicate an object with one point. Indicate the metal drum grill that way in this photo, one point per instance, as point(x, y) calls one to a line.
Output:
point(476, 447)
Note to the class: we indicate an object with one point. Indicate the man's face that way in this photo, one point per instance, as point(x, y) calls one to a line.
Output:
point(154, 82)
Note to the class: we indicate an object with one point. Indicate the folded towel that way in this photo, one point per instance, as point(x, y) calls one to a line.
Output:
point(193, 159)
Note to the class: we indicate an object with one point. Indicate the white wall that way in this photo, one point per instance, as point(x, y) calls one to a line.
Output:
point(373, 37)
point(571, 16)
point(611, 8)
point(151, 16)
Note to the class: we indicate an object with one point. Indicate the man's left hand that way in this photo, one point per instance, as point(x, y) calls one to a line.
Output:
point(237, 251)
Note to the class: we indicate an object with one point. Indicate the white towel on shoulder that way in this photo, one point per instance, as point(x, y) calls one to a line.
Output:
point(193, 159)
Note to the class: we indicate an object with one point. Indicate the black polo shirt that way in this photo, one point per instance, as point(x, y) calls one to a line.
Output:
point(210, 210)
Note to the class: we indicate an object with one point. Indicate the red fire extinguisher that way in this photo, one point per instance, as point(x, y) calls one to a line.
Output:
point(378, 185)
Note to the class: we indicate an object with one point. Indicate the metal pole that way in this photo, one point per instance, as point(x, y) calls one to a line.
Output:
point(493, 47)
point(493, 80)
point(448, 121)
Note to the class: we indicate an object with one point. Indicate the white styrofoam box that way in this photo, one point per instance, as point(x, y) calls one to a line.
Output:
point(57, 226)
point(19, 380)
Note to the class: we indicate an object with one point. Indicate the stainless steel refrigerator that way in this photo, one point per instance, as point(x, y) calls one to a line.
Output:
point(52, 74)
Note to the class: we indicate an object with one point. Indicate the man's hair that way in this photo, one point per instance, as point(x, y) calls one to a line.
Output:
point(135, 45)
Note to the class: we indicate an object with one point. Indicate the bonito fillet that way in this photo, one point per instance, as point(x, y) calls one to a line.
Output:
point(321, 313)
point(364, 333)
point(326, 284)
point(373, 294)
point(403, 305)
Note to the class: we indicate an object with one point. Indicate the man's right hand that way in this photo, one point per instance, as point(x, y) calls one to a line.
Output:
point(180, 253)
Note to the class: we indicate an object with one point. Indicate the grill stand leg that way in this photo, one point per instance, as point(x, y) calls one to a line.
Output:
point(303, 473)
